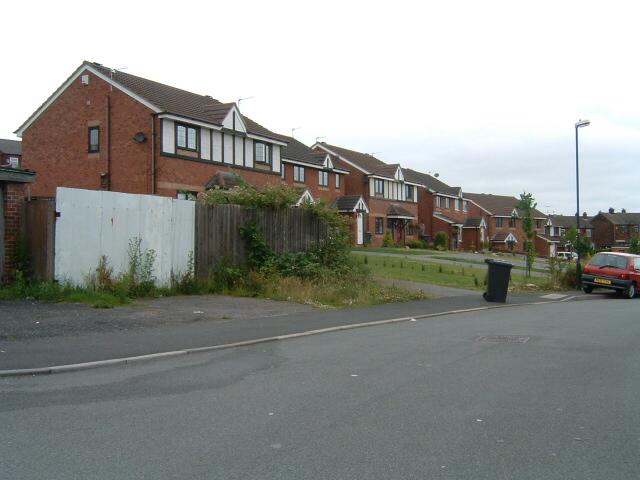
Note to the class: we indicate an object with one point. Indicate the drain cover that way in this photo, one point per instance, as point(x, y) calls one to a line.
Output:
point(502, 338)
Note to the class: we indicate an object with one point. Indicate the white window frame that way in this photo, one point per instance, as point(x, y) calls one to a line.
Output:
point(337, 180)
point(438, 201)
point(298, 174)
point(323, 178)
point(378, 183)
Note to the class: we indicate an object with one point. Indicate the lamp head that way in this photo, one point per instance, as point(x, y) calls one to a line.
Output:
point(582, 123)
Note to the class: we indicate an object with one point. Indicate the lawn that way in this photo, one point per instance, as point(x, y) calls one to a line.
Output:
point(468, 277)
point(396, 250)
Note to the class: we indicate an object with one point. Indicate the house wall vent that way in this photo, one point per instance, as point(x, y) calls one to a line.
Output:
point(85, 79)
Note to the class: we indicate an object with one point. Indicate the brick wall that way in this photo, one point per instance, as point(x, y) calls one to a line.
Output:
point(328, 193)
point(56, 144)
point(13, 201)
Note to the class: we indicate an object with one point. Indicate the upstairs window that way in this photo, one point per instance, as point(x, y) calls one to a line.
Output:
point(94, 139)
point(408, 192)
point(447, 202)
point(283, 170)
point(499, 222)
point(262, 153)
point(378, 186)
point(438, 201)
point(456, 204)
point(465, 206)
point(512, 222)
point(323, 178)
point(186, 137)
point(337, 180)
point(298, 174)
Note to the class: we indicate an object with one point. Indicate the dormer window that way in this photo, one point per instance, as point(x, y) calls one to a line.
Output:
point(262, 153)
point(186, 137)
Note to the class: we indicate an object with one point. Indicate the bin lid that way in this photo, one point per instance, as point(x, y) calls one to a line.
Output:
point(500, 263)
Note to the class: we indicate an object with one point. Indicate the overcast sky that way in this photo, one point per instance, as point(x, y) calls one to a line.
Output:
point(484, 93)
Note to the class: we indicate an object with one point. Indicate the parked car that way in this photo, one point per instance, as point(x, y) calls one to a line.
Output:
point(567, 255)
point(614, 271)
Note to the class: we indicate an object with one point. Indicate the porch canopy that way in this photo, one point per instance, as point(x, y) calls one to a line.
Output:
point(399, 212)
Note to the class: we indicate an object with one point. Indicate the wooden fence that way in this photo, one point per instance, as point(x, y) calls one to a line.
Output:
point(217, 232)
point(40, 233)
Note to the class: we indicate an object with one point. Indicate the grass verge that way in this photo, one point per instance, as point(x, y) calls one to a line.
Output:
point(467, 277)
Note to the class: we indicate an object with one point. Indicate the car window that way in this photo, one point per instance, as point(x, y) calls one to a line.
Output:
point(636, 263)
point(602, 259)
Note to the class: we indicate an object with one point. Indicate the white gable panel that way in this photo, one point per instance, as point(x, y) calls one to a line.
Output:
point(233, 121)
point(168, 136)
point(227, 142)
point(275, 158)
point(205, 143)
point(328, 163)
point(216, 142)
point(372, 191)
point(238, 152)
point(399, 175)
point(248, 152)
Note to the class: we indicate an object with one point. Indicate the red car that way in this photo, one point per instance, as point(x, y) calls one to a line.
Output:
point(614, 271)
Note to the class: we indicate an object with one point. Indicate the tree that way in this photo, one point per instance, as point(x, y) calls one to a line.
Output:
point(526, 205)
point(634, 246)
point(578, 243)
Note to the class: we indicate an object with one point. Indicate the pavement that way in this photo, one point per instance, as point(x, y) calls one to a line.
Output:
point(546, 392)
point(39, 336)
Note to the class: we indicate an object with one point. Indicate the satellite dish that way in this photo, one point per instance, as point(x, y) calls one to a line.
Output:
point(436, 175)
point(139, 137)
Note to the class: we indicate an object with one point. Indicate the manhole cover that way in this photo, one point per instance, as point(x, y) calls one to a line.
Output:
point(502, 338)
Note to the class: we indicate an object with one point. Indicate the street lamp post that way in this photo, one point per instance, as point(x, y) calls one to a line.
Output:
point(579, 124)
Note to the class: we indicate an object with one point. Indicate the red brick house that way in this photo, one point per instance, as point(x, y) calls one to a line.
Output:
point(106, 129)
point(615, 230)
point(505, 230)
point(392, 200)
point(558, 225)
point(442, 208)
point(13, 193)
point(311, 170)
point(10, 153)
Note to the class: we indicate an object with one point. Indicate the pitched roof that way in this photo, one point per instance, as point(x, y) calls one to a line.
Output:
point(168, 99)
point(366, 162)
point(396, 210)
point(501, 237)
point(548, 238)
point(498, 205)
point(430, 182)
point(472, 222)
point(567, 221)
point(348, 203)
point(296, 150)
point(10, 147)
point(622, 218)
point(444, 218)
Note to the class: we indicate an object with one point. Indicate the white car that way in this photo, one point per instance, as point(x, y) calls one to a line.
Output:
point(567, 255)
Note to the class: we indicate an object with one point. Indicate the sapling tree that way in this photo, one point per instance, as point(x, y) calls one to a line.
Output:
point(526, 205)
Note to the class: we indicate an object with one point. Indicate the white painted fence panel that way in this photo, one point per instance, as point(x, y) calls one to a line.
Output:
point(95, 223)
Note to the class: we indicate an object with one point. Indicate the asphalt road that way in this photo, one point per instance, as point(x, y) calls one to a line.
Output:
point(431, 399)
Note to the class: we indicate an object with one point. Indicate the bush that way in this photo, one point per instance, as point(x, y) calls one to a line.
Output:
point(440, 240)
point(568, 277)
point(387, 240)
point(416, 244)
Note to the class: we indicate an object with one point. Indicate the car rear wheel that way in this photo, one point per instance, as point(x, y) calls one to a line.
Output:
point(587, 288)
point(631, 291)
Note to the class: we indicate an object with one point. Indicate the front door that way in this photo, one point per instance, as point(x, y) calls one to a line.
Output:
point(552, 250)
point(360, 228)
